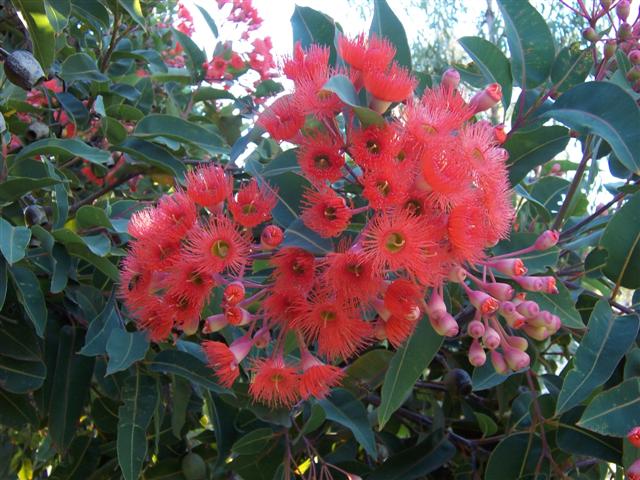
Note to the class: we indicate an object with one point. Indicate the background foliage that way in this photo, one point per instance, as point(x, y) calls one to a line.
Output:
point(83, 395)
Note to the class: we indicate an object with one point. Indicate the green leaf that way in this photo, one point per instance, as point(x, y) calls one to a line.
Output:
point(209, 93)
point(268, 88)
point(315, 420)
point(614, 411)
point(212, 24)
point(576, 440)
point(70, 388)
point(58, 12)
point(529, 149)
point(76, 110)
point(492, 63)
point(313, 27)
point(621, 239)
point(194, 53)
point(30, 297)
point(15, 187)
point(16, 411)
point(253, 442)
point(342, 86)
point(125, 348)
point(530, 42)
point(155, 155)
point(549, 192)
point(606, 110)
point(385, 24)
point(418, 461)
point(4, 281)
point(140, 396)
point(89, 216)
point(19, 342)
point(43, 36)
point(486, 377)
point(486, 423)
point(19, 376)
point(290, 188)
point(80, 461)
point(88, 248)
point(133, 8)
point(114, 130)
point(298, 235)
point(367, 371)
point(64, 146)
point(100, 329)
point(560, 304)
point(187, 366)
point(81, 67)
point(514, 457)
point(13, 241)
point(607, 340)
point(175, 128)
point(180, 397)
point(405, 368)
point(571, 67)
point(342, 407)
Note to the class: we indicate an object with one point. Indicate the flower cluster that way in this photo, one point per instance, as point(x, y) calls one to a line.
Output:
point(425, 178)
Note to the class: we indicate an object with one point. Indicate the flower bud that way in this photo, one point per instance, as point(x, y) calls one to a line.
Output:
point(241, 348)
point(22, 69)
point(624, 32)
point(271, 237)
point(450, 79)
point(610, 48)
point(532, 284)
point(518, 342)
point(547, 239)
point(633, 472)
point(262, 338)
point(497, 360)
point(491, 339)
point(499, 134)
point(501, 291)
point(436, 305)
point(549, 285)
point(590, 35)
point(475, 329)
point(237, 316)
point(516, 359)
point(606, 4)
point(634, 57)
point(537, 333)
point(623, 9)
point(457, 274)
point(233, 293)
point(215, 323)
point(509, 266)
point(486, 99)
point(477, 357)
point(483, 302)
point(444, 324)
point(515, 320)
point(634, 436)
point(633, 75)
point(528, 308)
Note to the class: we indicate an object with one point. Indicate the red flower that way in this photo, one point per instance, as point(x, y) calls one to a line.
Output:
point(282, 119)
point(403, 298)
point(312, 63)
point(352, 275)
point(390, 85)
point(373, 145)
point(225, 360)
point(143, 222)
point(187, 279)
point(325, 212)
point(311, 99)
point(386, 186)
point(317, 378)
point(397, 329)
point(154, 319)
point(320, 158)
point(218, 246)
point(177, 215)
point(467, 232)
point(294, 268)
point(209, 185)
point(252, 204)
point(441, 110)
point(279, 307)
point(275, 383)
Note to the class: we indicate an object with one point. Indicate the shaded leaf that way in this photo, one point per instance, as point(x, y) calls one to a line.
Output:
point(154, 155)
point(30, 296)
point(186, 366)
point(64, 146)
point(313, 27)
point(576, 440)
point(342, 86)
point(100, 329)
point(614, 411)
point(124, 348)
point(253, 442)
point(514, 457)
point(385, 24)
point(13, 241)
point(298, 235)
point(81, 67)
point(40, 30)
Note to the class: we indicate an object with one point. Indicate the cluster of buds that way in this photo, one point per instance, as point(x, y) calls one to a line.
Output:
point(431, 185)
point(633, 472)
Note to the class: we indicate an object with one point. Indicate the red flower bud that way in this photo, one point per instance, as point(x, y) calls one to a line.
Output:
point(547, 239)
point(634, 436)
point(271, 237)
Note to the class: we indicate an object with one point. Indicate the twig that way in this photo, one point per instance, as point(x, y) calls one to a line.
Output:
point(98, 193)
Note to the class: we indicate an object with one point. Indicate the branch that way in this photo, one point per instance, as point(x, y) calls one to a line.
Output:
point(98, 193)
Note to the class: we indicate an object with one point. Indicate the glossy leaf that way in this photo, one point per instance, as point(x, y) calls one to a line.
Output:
point(313, 27)
point(253, 442)
point(16, 411)
point(621, 239)
point(30, 296)
point(571, 67)
point(81, 67)
point(133, 8)
point(210, 22)
point(58, 12)
point(530, 42)
point(486, 377)
point(491, 62)
point(187, 366)
point(529, 149)
point(385, 24)
point(125, 348)
point(342, 407)
point(576, 440)
point(194, 53)
point(15, 187)
point(367, 371)
point(100, 330)
point(298, 235)
point(152, 154)
point(615, 411)
point(140, 396)
point(607, 340)
point(64, 146)
point(19, 376)
point(13, 241)
point(514, 457)
point(606, 110)
point(405, 368)
point(40, 30)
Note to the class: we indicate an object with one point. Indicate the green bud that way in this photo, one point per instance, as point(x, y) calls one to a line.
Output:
point(22, 69)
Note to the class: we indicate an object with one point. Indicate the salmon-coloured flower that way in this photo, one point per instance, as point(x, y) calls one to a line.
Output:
point(253, 203)
point(225, 360)
point(394, 84)
point(275, 383)
point(352, 274)
point(321, 158)
point(294, 269)
point(325, 212)
point(208, 185)
point(283, 120)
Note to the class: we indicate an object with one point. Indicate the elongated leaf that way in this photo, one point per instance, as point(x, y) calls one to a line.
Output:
point(529, 149)
point(530, 42)
point(621, 239)
point(19, 342)
point(416, 462)
point(88, 248)
point(81, 67)
point(290, 187)
point(298, 235)
point(573, 439)
point(13, 241)
point(223, 418)
point(64, 146)
point(42, 35)
point(210, 21)
point(253, 442)
point(342, 86)
point(154, 155)
point(173, 127)
point(58, 12)
point(607, 340)
point(16, 410)
point(195, 54)
point(606, 110)
point(367, 371)
point(140, 396)
point(486, 377)
point(492, 63)
point(133, 8)
point(81, 460)
point(571, 67)
point(515, 457)
point(4, 282)
point(405, 368)
point(19, 376)
point(385, 24)
point(342, 407)
point(89, 216)
point(70, 388)
point(76, 110)
point(310, 26)
point(30, 296)
point(100, 329)
point(15, 187)
point(187, 366)
point(124, 348)
point(614, 411)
